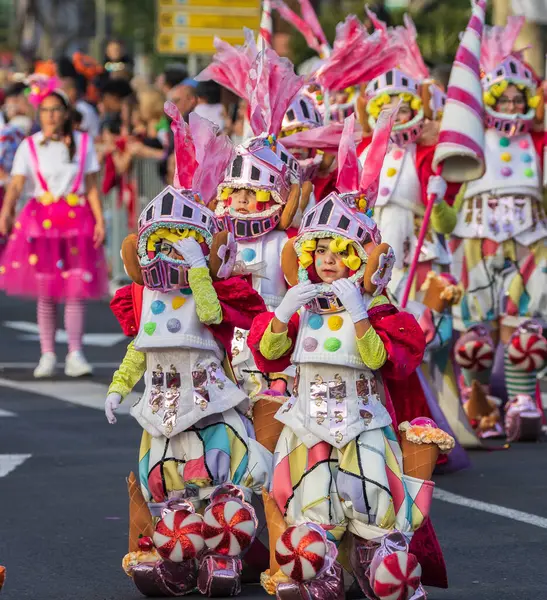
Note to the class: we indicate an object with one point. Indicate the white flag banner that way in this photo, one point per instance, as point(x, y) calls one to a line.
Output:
point(532, 10)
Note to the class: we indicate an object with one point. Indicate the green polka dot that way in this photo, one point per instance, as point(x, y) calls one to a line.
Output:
point(332, 344)
point(529, 172)
point(149, 328)
point(504, 142)
point(186, 291)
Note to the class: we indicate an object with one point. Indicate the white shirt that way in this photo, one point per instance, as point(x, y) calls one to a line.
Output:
point(55, 165)
point(90, 118)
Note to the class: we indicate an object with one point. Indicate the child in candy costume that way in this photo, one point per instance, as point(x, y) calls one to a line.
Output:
point(407, 177)
point(262, 190)
point(499, 243)
point(338, 465)
point(54, 252)
point(198, 450)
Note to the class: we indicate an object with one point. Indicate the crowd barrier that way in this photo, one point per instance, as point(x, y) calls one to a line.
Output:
point(143, 182)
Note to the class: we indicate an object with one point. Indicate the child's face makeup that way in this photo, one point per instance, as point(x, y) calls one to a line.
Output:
point(328, 264)
point(244, 201)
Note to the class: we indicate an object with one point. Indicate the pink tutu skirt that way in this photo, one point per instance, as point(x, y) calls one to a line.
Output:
point(50, 254)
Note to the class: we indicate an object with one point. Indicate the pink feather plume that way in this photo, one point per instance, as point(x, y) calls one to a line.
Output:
point(185, 152)
point(311, 18)
point(214, 151)
point(271, 86)
point(411, 61)
point(357, 57)
point(497, 42)
point(348, 163)
point(298, 23)
point(370, 176)
point(231, 64)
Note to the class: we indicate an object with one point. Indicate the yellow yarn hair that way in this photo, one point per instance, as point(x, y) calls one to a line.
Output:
point(374, 107)
point(307, 248)
point(225, 193)
point(172, 235)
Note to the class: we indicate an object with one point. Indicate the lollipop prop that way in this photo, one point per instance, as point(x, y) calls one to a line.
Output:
point(459, 156)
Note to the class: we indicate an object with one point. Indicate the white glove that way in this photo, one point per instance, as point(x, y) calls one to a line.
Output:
point(295, 299)
point(111, 406)
point(351, 296)
point(191, 252)
point(436, 185)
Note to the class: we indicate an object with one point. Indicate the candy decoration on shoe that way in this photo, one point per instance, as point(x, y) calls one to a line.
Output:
point(301, 552)
point(178, 535)
point(229, 527)
point(140, 519)
point(475, 355)
point(528, 351)
point(523, 419)
point(397, 577)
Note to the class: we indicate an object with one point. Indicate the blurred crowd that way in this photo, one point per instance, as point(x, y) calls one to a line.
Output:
point(123, 113)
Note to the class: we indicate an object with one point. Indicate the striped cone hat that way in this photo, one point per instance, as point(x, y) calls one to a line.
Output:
point(460, 151)
point(266, 26)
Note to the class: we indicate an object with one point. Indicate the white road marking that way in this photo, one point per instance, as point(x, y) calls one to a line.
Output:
point(6, 413)
point(493, 509)
point(30, 331)
point(10, 462)
point(81, 392)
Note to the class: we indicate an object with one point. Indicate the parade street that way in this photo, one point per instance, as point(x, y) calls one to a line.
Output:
point(63, 495)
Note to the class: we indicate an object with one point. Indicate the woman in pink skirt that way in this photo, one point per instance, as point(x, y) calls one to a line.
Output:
point(54, 252)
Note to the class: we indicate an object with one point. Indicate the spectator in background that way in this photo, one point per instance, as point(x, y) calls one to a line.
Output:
point(184, 97)
point(173, 75)
point(75, 87)
point(209, 104)
point(16, 103)
point(114, 94)
point(117, 63)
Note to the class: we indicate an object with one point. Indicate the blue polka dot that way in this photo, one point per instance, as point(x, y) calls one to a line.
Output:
point(526, 158)
point(60, 264)
point(157, 307)
point(316, 321)
point(248, 254)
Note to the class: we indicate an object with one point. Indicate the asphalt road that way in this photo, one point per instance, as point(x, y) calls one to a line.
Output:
point(63, 511)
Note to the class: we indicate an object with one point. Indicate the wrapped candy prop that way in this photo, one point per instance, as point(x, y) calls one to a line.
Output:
point(276, 526)
point(178, 535)
point(482, 412)
point(421, 443)
point(525, 356)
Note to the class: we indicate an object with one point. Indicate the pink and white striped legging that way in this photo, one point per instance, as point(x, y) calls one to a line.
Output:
point(47, 326)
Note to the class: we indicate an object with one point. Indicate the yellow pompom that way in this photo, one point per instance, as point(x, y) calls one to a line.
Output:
point(262, 196)
point(534, 101)
point(362, 204)
point(47, 199)
point(406, 96)
point(305, 260)
point(489, 98)
point(72, 199)
point(226, 193)
point(416, 103)
point(309, 245)
point(352, 262)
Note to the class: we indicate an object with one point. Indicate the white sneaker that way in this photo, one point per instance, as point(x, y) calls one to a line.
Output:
point(76, 365)
point(47, 366)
